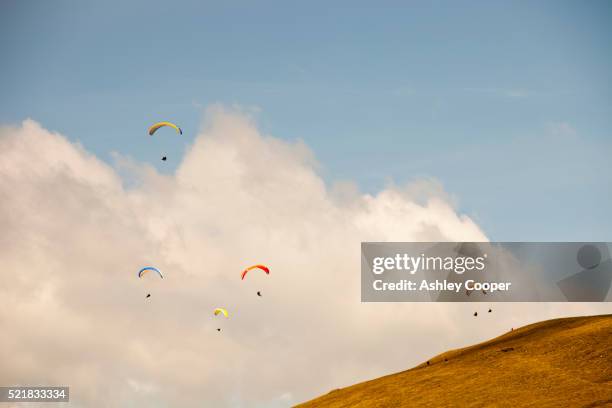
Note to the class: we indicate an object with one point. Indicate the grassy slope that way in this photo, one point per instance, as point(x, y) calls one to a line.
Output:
point(560, 363)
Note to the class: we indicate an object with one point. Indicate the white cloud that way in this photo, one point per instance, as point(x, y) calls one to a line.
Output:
point(73, 311)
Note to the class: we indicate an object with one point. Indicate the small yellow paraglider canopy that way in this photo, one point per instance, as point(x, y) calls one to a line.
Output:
point(220, 310)
point(156, 126)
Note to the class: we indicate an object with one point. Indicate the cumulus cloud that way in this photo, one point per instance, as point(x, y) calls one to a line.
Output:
point(74, 233)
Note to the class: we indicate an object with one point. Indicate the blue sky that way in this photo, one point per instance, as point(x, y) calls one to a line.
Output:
point(508, 104)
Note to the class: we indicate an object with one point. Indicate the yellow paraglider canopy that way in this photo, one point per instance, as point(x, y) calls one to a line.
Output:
point(221, 310)
point(156, 126)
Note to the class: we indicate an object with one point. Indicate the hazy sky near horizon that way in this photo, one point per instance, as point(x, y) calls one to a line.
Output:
point(507, 104)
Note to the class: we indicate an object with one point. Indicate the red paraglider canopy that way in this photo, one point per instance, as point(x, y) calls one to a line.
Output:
point(262, 267)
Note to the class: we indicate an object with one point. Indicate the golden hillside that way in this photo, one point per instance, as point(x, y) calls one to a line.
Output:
point(557, 363)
